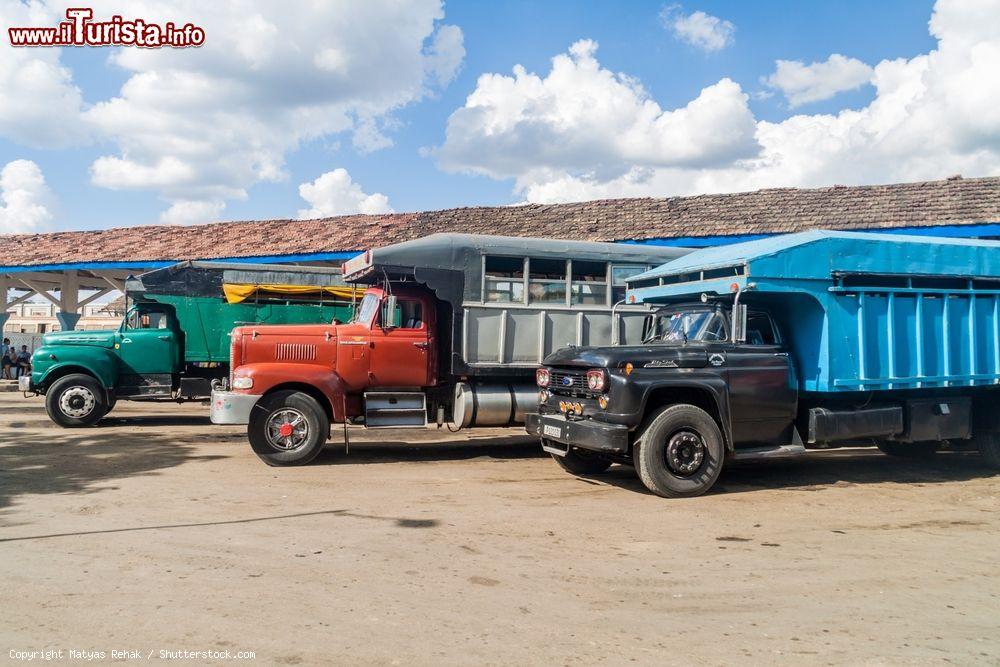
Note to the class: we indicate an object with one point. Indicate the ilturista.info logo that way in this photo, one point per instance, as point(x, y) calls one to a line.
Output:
point(80, 29)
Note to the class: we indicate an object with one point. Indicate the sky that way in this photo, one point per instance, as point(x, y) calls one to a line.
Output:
point(299, 110)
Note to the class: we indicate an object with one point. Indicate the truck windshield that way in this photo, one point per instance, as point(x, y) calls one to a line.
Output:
point(681, 326)
point(366, 310)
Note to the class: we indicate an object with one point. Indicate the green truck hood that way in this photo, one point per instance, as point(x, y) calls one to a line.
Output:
point(88, 338)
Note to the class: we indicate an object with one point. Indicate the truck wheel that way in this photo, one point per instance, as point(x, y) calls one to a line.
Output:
point(75, 400)
point(582, 462)
point(288, 428)
point(908, 450)
point(988, 444)
point(680, 452)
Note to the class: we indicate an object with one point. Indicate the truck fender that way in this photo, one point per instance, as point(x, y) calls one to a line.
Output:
point(714, 387)
point(98, 363)
point(269, 377)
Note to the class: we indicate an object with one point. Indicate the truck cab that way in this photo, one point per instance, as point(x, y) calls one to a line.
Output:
point(150, 349)
point(391, 341)
point(715, 392)
point(289, 383)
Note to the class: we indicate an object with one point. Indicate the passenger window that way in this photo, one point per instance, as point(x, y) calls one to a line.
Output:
point(547, 281)
point(760, 330)
point(503, 281)
point(411, 314)
point(589, 283)
point(407, 315)
point(146, 320)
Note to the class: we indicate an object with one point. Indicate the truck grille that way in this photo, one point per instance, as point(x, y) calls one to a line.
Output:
point(568, 383)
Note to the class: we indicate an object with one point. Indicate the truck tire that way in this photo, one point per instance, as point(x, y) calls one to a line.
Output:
point(908, 450)
point(76, 400)
point(988, 444)
point(582, 462)
point(288, 428)
point(679, 454)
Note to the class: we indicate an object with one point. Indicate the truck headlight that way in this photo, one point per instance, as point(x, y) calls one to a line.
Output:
point(596, 379)
point(542, 378)
point(242, 383)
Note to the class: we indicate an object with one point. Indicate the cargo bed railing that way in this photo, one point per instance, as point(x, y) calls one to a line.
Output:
point(956, 336)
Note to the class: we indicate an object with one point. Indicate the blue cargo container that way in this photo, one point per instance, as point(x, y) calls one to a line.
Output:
point(870, 312)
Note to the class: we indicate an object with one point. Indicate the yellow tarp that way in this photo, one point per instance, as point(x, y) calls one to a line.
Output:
point(240, 293)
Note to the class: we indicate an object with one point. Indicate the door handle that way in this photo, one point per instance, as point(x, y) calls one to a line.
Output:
point(164, 337)
point(781, 354)
point(421, 345)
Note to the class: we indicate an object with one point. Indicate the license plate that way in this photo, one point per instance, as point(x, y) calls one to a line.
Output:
point(24, 383)
point(553, 431)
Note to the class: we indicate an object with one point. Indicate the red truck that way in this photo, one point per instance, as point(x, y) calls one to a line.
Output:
point(450, 329)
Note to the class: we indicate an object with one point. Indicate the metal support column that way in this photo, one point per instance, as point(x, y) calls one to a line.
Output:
point(4, 291)
point(69, 301)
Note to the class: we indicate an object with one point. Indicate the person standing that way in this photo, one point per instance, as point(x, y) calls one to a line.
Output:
point(5, 363)
point(24, 361)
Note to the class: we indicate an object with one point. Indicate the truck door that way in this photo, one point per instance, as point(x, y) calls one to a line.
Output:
point(762, 390)
point(149, 345)
point(401, 344)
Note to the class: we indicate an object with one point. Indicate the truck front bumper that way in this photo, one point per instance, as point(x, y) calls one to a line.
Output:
point(229, 407)
point(584, 433)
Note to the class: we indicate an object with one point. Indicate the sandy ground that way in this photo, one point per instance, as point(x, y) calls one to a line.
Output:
point(157, 531)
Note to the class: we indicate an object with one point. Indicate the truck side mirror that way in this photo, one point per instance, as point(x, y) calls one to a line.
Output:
point(388, 312)
point(740, 323)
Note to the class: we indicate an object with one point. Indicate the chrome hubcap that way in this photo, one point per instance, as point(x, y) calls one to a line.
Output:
point(685, 453)
point(287, 429)
point(77, 402)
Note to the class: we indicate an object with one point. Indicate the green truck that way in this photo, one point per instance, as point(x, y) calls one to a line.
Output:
point(173, 343)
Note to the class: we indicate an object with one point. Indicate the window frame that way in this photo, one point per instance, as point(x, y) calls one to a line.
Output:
point(611, 278)
point(774, 329)
point(608, 285)
point(524, 279)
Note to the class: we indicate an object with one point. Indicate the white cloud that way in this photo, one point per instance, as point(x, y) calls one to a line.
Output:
point(191, 212)
point(700, 30)
point(446, 53)
point(801, 84)
point(334, 193)
point(200, 126)
point(40, 106)
point(26, 199)
point(583, 132)
point(583, 119)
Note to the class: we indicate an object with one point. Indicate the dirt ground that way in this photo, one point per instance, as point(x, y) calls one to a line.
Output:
point(158, 531)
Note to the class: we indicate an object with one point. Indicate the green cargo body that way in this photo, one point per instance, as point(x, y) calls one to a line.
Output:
point(207, 321)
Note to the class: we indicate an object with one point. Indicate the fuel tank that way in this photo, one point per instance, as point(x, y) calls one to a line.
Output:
point(493, 404)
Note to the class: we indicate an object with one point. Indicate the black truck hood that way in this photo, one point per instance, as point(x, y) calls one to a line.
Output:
point(665, 356)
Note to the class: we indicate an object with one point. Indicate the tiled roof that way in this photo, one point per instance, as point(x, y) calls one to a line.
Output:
point(956, 201)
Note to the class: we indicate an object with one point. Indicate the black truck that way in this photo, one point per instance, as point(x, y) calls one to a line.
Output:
point(762, 349)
